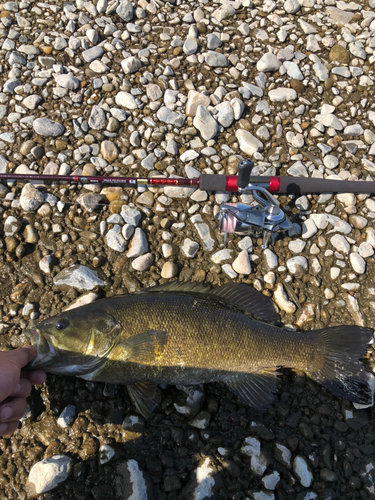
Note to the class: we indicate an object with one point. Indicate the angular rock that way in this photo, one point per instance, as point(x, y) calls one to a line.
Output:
point(247, 142)
point(205, 123)
point(216, 60)
point(268, 63)
point(138, 245)
point(79, 277)
point(194, 100)
point(48, 474)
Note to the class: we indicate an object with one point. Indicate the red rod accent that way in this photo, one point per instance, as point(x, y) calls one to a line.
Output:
point(274, 185)
point(231, 183)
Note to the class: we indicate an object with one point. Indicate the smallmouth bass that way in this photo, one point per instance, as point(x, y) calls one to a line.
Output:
point(187, 333)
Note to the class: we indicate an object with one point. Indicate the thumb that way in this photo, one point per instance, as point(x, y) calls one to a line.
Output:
point(11, 363)
point(21, 357)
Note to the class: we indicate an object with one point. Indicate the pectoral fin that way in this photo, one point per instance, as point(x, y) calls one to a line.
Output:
point(255, 389)
point(145, 397)
point(142, 348)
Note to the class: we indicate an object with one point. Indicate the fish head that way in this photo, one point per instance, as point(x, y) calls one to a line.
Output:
point(75, 341)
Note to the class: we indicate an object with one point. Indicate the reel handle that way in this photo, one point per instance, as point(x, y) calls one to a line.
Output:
point(244, 171)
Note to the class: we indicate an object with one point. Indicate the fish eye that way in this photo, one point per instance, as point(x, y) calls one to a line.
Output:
point(62, 324)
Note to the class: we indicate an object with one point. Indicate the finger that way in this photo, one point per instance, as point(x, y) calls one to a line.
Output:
point(8, 428)
point(11, 363)
point(14, 410)
point(23, 389)
point(37, 377)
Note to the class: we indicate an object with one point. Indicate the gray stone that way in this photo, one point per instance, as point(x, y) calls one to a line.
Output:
point(271, 261)
point(125, 10)
point(32, 101)
point(31, 198)
point(190, 46)
point(48, 474)
point(91, 54)
point(79, 277)
point(66, 417)
point(131, 215)
point(355, 130)
point(10, 85)
point(216, 60)
point(224, 12)
point(68, 81)
point(205, 123)
point(297, 265)
point(329, 120)
point(242, 264)
point(302, 471)
point(358, 263)
point(293, 70)
point(254, 90)
point(213, 42)
point(292, 6)
point(190, 248)
point(115, 240)
point(166, 115)
point(194, 100)
point(308, 229)
point(97, 119)
point(48, 128)
point(131, 65)
point(321, 71)
point(225, 115)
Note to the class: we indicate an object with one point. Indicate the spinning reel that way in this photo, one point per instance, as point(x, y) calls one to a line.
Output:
point(266, 217)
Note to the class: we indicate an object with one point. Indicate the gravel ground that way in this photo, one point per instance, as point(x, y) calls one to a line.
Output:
point(181, 88)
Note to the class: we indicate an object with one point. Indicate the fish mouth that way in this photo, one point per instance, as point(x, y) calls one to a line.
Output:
point(38, 339)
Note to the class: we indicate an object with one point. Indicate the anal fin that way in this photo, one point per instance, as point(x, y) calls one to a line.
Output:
point(255, 389)
point(145, 397)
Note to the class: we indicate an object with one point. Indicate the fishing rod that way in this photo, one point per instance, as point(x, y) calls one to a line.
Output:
point(236, 218)
point(217, 182)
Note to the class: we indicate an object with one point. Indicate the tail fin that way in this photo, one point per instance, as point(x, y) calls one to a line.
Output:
point(342, 371)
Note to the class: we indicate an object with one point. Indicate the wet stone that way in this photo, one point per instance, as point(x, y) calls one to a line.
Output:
point(48, 474)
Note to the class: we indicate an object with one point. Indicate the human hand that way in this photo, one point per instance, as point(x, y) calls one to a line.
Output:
point(15, 386)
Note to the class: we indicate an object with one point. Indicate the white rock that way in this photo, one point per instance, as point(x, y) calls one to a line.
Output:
point(271, 261)
point(366, 250)
point(309, 229)
point(47, 474)
point(282, 94)
point(190, 248)
point(80, 277)
point(138, 244)
point(143, 262)
point(358, 263)
point(45, 264)
point(268, 62)
point(271, 480)
point(222, 256)
point(302, 471)
point(281, 299)
point(66, 417)
point(292, 6)
point(126, 100)
point(31, 198)
point(242, 263)
point(297, 265)
point(340, 243)
point(205, 123)
point(247, 142)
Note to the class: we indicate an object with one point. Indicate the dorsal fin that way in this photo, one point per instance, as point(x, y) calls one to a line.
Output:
point(245, 297)
point(180, 286)
point(238, 294)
